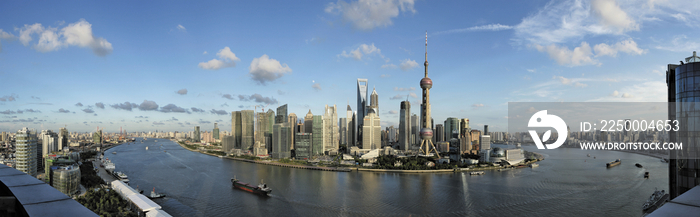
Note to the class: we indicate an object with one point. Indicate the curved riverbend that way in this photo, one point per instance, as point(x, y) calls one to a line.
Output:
point(567, 183)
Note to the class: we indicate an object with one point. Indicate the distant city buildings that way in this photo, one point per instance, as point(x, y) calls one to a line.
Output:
point(215, 132)
point(317, 146)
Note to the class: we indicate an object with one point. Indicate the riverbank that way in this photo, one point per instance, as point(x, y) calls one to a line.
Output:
point(349, 169)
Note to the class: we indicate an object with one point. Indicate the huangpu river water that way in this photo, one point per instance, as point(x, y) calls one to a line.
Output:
point(567, 183)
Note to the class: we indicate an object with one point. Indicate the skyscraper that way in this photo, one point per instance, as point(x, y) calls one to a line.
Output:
point(303, 146)
point(317, 135)
point(26, 151)
point(683, 88)
point(372, 138)
point(308, 122)
point(361, 100)
point(330, 129)
point(247, 129)
point(280, 141)
point(440, 133)
point(426, 133)
point(215, 132)
point(352, 129)
point(292, 123)
point(281, 114)
point(342, 127)
point(415, 130)
point(374, 101)
point(236, 133)
point(452, 125)
point(197, 137)
point(405, 126)
point(63, 138)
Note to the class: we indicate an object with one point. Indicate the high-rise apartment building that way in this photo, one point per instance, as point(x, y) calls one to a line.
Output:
point(330, 129)
point(415, 130)
point(26, 151)
point(405, 126)
point(342, 127)
point(372, 138)
point(683, 89)
point(317, 135)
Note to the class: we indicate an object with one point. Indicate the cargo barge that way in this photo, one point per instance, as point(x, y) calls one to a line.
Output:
point(614, 163)
point(260, 189)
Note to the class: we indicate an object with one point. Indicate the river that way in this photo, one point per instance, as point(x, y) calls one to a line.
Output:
point(567, 183)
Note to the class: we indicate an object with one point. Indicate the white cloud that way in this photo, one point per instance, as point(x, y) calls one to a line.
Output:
point(567, 81)
point(181, 28)
point(679, 43)
point(204, 53)
point(384, 76)
point(404, 89)
point(627, 46)
point(5, 36)
point(361, 50)
point(413, 95)
point(638, 92)
point(226, 59)
point(579, 56)
point(264, 69)
point(75, 34)
point(408, 64)
point(583, 55)
point(389, 66)
point(316, 86)
point(570, 20)
point(611, 14)
point(489, 27)
point(369, 14)
point(477, 105)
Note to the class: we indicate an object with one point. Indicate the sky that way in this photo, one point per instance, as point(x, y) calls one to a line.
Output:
point(170, 66)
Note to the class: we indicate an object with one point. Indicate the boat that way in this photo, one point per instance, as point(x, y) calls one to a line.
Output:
point(656, 199)
point(121, 176)
point(534, 165)
point(146, 148)
point(155, 195)
point(589, 155)
point(638, 165)
point(664, 160)
point(114, 152)
point(260, 189)
point(477, 173)
point(505, 169)
point(614, 163)
point(139, 190)
point(646, 175)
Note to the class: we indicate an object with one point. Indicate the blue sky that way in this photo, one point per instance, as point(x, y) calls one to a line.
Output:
point(169, 66)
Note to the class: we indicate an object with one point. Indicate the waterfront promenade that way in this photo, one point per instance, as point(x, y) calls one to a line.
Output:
point(349, 169)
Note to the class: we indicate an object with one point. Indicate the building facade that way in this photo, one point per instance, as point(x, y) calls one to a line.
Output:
point(330, 129)
point(317, 135)
point(372, 132)
point(26, 152)
point(683, 82)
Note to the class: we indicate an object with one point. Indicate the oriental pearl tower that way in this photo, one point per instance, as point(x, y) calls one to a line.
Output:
point(426, 133)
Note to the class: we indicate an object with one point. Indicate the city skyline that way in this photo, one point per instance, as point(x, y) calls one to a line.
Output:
point(172, 69)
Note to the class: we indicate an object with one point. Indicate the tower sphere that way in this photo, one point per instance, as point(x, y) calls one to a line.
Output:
point(426, 83)
point(426, 134)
